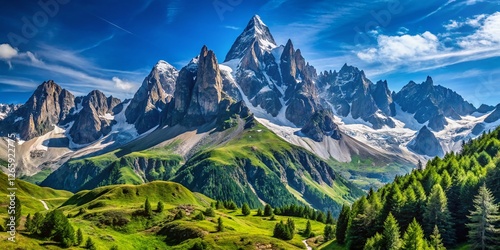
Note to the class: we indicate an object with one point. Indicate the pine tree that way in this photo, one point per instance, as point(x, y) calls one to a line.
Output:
point(291, 224)
point(436, 241)
point(245, 209)
point(259, 212)
point(308, 230)
point(484, 219)
point(90, 244)
point(282, 231)
point(374, 243)
point(209, 212)
point(268, 210)
point(199, 216)
point(148, 211)
point(160, 207)
point(37, 223)
point(436, 213)
point(179, 215)
point(219, 205)
point(414, 237)
point(329, 218)
point(220, 225)
point(79, 237)
point(328, 232)
point(342, 224)
point(29, 223)
point(391, 235)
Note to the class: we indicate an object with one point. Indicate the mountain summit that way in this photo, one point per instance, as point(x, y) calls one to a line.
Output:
point(255, 32)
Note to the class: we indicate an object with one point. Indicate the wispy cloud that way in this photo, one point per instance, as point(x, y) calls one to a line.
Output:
point(115, 25)
point(78, 74)
point(231, 27)
point(173, 9)
point(96, 44)
point(435, 11)
point(273, 4)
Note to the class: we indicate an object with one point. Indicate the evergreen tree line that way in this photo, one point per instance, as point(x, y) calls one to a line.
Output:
point(305, 212)
point(446, 204)
point(54, 226)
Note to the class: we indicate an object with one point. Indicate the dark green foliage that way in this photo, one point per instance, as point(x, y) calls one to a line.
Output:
point(291, 224)
point(160, 207)
point(328, 232)
point(231, 205)
point(220, 225)
point(268, 210)
point(342, 223)
point(199, 216)
point(148, 211)
point(179, 215)
point(245, 209)
point(283, 231)
point(219, 205)
point(259, 212)
point(307, 232)
point(57, 227)
point(37, 223)
point(484, 232)
point(209, 212)
point(414, 237)
point(29, 223)
point(321, 217)
point(176, 232)
point(199, 245)
point(115, 247)
point(89, 244)
point(436, 213)
point(329, 218)
point(79, 237)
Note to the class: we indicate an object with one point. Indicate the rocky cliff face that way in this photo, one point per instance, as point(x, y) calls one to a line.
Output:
point(432, 103)
point(425, 143)
point(151, 98)
point(321, 124)
point(49, 105)
point(494, 116)
point(349, 92)
point(94, 120)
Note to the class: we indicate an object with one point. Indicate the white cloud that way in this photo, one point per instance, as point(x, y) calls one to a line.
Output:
point(123, 85)
point(473, 22)
point(401, 48)
point(7, 52)
point(487, 34)
point(472, 2)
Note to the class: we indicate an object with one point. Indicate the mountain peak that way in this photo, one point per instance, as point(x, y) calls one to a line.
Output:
point(163, 66)
point(255, 31)
point(429, 81)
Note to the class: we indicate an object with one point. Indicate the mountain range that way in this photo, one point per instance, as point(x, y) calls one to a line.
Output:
point(263, 126)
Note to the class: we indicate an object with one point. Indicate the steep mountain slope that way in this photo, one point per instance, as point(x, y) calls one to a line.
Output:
point(228, 154)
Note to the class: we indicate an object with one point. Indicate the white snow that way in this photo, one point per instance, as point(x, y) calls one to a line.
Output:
point(163, 66)
point(107, 116)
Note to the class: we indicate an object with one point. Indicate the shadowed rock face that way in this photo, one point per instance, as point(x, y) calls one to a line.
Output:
point(207, 90)
point(151, 98)
point(48, 106)
point(432, 103)
point(426, 143)
point(494, 116)
point(351, 93)
point(321, 124)
point(91, 122)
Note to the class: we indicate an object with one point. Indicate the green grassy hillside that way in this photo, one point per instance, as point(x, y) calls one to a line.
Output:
point(258, 165)
point(30, 196)
point(114, 216)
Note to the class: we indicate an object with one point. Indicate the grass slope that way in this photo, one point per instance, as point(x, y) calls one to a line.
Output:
point(30, 196)
point(113, 216)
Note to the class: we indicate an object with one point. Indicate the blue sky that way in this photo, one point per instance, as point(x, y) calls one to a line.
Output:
point(112, 45)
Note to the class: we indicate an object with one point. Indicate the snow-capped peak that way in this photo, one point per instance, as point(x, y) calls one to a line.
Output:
point(163, 66)
point(255, 31)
